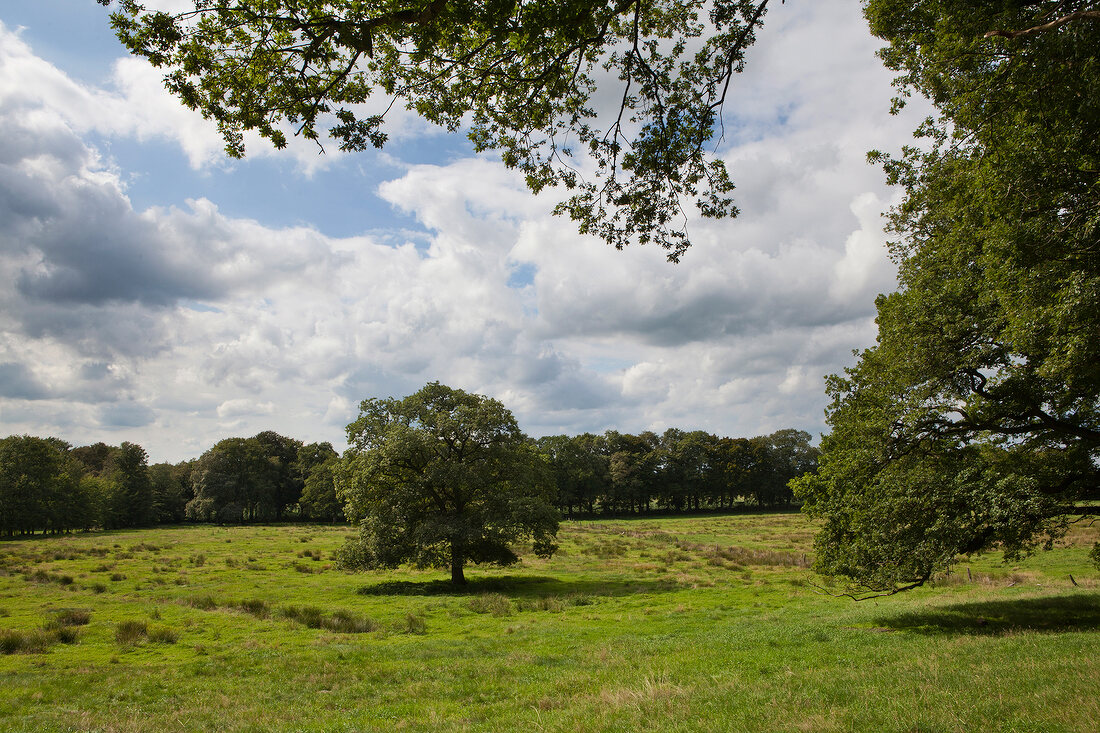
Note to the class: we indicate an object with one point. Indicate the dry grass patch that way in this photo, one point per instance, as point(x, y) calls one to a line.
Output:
point(651, 689)
point(491, 603)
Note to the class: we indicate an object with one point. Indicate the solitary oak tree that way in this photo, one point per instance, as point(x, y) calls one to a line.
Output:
point(442, 478)
point(630, 89)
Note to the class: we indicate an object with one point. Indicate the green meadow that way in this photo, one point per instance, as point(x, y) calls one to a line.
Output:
point(669, 624)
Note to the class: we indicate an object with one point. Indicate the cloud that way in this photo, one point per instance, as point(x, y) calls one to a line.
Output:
point(19, 382)
point(244, 407)
point(126, 415)
point(174, 325)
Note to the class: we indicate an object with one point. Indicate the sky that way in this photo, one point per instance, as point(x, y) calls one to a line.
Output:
point(153, 291)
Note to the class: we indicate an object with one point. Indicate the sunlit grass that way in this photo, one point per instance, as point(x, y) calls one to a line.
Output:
point(700, 623)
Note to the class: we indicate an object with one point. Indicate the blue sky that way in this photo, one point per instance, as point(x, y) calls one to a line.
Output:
point(155, 292)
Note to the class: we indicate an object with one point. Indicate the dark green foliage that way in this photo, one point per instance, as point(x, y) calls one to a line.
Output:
point(40, 487)
point(129, 499)
point(246, 480)
point(172, 490)
point(93, 457)
point(975, 420)
point(317, 463)
point(442, 478)
point(619, 473)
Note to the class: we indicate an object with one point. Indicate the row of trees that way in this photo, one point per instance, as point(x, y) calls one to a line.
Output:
point(267, 477)
point(48, 486)
point(620, 473)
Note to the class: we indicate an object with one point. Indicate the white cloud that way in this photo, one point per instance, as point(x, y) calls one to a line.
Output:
point(177, 325)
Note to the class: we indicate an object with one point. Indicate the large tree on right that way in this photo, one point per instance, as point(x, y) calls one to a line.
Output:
point(974, 422)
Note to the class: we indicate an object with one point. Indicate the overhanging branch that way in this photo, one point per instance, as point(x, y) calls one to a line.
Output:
point(1057, 23)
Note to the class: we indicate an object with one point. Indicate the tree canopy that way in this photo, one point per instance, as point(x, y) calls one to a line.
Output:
point(442, 478)
point(246, 479)
point(629, 91)
point(975, 421)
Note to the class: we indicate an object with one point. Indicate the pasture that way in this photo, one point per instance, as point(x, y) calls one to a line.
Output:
point(671, 624)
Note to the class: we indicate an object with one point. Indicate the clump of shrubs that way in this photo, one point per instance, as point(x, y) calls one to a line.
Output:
point(41, 576)
point(70, 617)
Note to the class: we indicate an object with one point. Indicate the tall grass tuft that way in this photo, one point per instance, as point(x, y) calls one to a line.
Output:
point(13, 641)
point(205, 603)
point(128, 633)
point(414, 624)
point(343, 622)
point(255, 606)
point(70, 617)
point(492, 603)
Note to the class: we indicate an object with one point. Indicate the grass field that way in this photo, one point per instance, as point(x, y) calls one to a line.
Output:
point(702, 623)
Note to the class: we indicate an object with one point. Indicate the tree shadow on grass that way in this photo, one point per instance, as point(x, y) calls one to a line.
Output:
point(519, 586)
point(1060, 613)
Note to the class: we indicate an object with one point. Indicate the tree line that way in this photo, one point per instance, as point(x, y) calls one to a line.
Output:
point(49, 486)
point(676, 471)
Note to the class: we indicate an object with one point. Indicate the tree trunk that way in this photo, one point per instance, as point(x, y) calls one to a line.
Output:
point(457, 577)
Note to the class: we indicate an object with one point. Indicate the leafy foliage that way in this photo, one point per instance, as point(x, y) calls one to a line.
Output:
point(526, 78)
point(441, 478)
point(975, 420)
point(41, 488)
point(317, 463)
point(246, 480)
point(620, 473)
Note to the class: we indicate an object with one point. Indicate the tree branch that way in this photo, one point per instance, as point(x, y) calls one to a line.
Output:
point(1078, 15)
